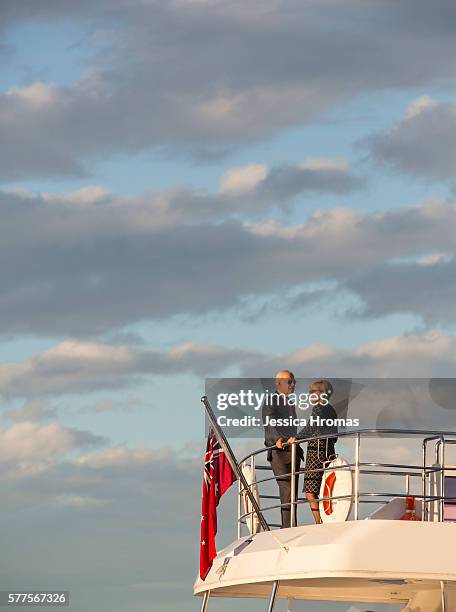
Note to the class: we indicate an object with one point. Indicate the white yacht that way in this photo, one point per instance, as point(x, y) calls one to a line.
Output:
point(363, 551)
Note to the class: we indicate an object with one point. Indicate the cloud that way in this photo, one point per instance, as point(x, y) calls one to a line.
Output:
point(419, 105)
point(289, 180)
point(428, 345)
point(36, 95)
point(243, 179)
point(94, 266)
point(112, 405)
point(423, 143)
point(425, 354)
point(121, 457)
point(31, 442)
point(317, 175)
point(34, 410)
point(77, 367)
point(186, 98)
point(245, 191)
point(91, 475)
point(85, 196)
point(425, 288)
point(74, 366)
point(98, 507)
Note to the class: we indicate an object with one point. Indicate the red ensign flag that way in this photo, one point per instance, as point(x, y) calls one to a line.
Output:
point(218, 477)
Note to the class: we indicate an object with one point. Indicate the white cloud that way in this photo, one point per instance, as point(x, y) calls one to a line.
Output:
point(84, 196)
point(31, 442)
point(429, 345)
point(245, 178)
point(419, 105)
point(37, 95)
point(121, 457)
point(310, 354)
point(83, 354)
point(425, 354)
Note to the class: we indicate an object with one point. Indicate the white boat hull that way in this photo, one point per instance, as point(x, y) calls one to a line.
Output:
point(382, 561)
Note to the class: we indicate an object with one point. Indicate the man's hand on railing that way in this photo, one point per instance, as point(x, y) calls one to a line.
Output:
point(280, 442)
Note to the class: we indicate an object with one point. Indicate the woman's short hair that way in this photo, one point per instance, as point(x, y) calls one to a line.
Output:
point(322, 385)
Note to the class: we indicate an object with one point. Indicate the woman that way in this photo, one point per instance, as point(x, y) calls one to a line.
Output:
point(318, 451)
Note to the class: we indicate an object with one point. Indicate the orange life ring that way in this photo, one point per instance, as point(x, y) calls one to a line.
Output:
point(328, 492)
point(336, 483)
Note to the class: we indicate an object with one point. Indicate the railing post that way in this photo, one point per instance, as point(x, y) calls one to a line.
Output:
point(272, 601)
point(443, 479)
point(253, 472)
point(357, 454)
point(440, 460)
point(424, 503)
point(293, 487)
point(441, 451)
point(239, 523)
point(205, 601)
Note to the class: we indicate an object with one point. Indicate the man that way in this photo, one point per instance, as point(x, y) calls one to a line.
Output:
point(279, 406)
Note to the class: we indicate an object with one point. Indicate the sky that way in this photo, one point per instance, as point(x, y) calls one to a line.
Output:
point(199, 188)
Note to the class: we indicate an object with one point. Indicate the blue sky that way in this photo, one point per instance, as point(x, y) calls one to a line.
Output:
point(191, 189)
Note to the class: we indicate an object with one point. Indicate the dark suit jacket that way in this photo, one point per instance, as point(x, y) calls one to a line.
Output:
point(278, 407)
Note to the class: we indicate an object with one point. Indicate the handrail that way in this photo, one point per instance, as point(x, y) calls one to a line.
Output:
point(351, 465)
point(367, 432)
point(424, 471)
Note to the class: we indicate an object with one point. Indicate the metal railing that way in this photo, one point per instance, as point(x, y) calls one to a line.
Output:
point(432, 496)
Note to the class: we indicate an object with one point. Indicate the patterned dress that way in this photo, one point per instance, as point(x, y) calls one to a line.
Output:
point(318, 451)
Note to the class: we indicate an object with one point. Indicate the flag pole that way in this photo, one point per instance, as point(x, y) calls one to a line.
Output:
point(233, 462)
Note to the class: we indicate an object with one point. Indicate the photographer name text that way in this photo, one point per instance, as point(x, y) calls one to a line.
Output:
point(314, 421)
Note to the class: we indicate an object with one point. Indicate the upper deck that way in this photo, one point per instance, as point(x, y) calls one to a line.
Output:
point(375, 484)
point(362, 551)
